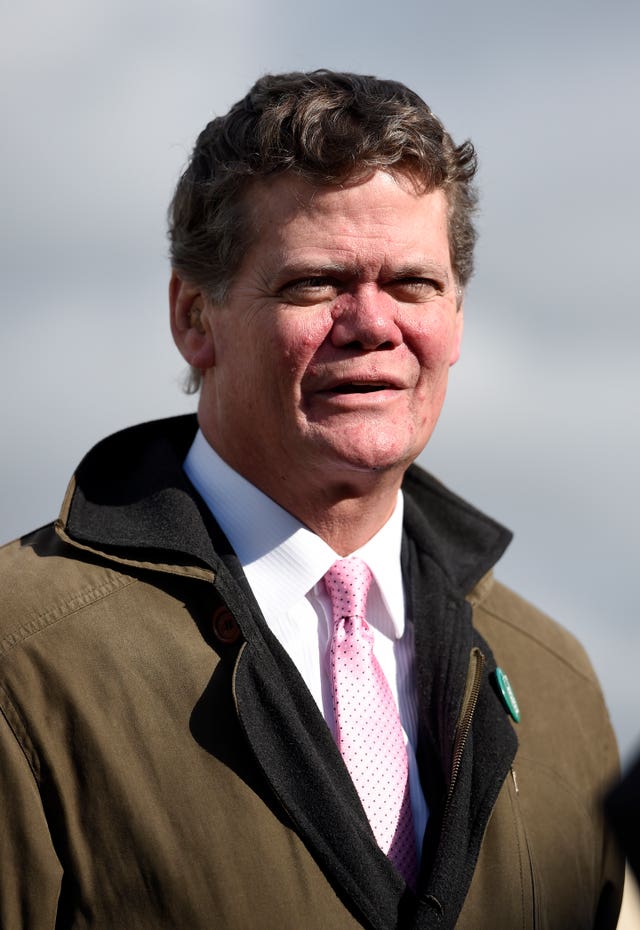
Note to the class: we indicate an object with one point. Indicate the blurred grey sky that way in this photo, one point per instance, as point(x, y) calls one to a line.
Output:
point(101, 103)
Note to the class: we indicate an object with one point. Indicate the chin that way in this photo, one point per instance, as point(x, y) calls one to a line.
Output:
point(363, 449)
point(374, 458)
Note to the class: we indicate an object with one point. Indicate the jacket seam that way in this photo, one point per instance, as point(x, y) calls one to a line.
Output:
point(589, 679)
point(69, 607)
point(28, 756)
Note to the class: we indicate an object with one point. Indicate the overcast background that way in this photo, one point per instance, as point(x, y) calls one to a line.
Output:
point(101, 102)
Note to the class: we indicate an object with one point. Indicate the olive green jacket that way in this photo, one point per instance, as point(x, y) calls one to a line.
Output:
point(163, 766)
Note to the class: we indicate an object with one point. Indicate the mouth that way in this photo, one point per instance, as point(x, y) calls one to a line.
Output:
point(353, 387)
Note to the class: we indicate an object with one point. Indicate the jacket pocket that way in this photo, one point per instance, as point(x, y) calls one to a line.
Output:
point(532, 918)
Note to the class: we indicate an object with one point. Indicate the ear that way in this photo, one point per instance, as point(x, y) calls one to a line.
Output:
point(189, 323)
point(457, 335)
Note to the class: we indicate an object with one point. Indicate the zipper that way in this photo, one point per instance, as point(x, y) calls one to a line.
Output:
point(469, 701)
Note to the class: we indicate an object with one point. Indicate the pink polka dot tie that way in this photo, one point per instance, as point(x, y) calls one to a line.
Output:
point(368, 729)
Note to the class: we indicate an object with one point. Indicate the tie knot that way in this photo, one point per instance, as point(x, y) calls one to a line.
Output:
point(347, 583)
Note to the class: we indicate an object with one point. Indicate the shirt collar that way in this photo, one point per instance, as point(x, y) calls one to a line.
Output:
point(281, 557)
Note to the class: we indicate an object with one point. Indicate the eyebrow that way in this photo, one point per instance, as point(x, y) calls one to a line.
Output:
point(413, 269)
point(422, 270)
point(302, 269)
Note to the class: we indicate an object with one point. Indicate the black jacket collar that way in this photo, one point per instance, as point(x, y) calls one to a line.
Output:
point(131, 494)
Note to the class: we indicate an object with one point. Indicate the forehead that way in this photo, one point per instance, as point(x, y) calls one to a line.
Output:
point(381, 212)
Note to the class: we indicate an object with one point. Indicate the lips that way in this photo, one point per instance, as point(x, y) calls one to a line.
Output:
point(356, 387)
point(353, 383)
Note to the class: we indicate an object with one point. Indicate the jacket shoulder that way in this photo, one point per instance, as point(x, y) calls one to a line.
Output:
point(43, 581)
point(512, 619)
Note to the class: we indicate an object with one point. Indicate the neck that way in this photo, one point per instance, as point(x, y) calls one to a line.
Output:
point(343, 504)
point(352, 522)
point(344, 514)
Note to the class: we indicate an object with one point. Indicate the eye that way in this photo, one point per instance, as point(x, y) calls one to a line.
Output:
point(414, 289)
point(314, 289)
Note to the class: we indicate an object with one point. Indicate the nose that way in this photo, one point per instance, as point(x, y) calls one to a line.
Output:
point(366, 320)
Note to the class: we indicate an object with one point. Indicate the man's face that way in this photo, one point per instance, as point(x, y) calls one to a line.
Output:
point(332, 351)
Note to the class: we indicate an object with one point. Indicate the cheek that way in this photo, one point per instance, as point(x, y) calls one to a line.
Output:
point(436, 342)
point(297, 339)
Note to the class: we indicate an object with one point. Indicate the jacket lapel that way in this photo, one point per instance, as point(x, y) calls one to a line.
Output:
point(295, 751)
point(461, 796)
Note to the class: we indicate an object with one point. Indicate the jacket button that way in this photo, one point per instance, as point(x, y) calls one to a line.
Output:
point(225, 625)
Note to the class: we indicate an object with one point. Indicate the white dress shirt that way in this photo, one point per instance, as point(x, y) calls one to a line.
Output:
point(285, 562)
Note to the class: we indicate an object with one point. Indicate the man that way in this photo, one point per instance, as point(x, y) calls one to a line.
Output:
point(255, 676)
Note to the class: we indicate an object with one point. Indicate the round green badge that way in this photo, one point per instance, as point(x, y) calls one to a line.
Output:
point(506, 693)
